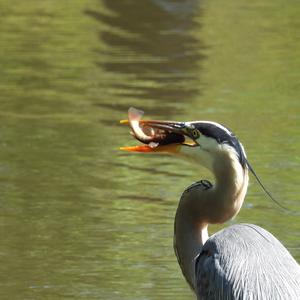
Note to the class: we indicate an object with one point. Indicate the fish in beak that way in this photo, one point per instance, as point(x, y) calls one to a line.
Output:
point(159, 136)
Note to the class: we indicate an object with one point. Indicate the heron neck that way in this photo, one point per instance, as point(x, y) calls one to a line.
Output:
point(200, 206)
point(189, 237)
point(228, 194)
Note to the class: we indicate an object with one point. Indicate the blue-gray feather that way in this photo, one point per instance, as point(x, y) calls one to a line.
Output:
point(254, 265)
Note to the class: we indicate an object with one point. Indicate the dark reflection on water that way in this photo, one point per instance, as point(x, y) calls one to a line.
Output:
point(152, 43)
point(140, 198)
point(149, 170)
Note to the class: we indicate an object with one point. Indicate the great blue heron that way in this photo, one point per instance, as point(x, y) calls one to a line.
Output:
point(242, 261)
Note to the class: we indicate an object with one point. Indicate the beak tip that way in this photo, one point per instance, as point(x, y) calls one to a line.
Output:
point(123, 148)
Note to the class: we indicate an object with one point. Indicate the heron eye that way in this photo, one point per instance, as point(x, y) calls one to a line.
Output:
point(195, 133)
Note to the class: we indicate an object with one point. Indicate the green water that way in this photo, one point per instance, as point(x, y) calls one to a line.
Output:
point(78, 218)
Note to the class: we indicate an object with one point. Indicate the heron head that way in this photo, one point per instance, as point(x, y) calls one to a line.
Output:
point(203, 141)
point(217, 140)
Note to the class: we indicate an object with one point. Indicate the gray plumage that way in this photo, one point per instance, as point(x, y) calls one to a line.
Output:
point(243, 262)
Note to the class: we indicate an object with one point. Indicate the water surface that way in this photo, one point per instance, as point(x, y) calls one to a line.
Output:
point(81, 220)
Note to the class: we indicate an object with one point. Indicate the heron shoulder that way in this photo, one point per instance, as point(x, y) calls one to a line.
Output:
point(244, 261)
point(202, 184)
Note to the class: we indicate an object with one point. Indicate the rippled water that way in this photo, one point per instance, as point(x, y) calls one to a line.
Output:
point(81, 220)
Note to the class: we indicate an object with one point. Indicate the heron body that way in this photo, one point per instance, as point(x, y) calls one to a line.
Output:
point(242, 261)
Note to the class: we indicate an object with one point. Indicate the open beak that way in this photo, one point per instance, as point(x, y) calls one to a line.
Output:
point(159, 136)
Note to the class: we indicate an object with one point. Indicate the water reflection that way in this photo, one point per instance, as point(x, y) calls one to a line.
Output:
point(151, 50)
point(149, 170)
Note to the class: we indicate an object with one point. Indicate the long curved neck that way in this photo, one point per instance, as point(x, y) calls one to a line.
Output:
point(200, 206)
point(228, 194)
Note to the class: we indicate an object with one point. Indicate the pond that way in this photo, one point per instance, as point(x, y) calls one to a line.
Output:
point(79, 218)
